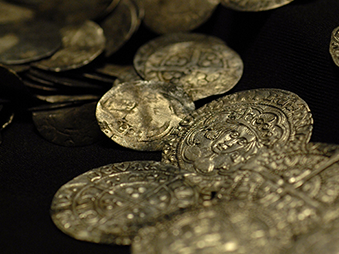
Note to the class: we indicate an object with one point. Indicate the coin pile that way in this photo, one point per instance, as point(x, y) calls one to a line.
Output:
point(237, 174)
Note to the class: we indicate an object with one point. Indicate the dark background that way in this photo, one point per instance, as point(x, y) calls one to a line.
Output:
point(284, 48)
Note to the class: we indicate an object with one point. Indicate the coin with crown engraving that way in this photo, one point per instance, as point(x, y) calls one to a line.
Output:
point(254, 5)
point(229, 227)
point(171, 16)
point(204, 68)
point(232, 129)
point(111, 203)
point(141, 114)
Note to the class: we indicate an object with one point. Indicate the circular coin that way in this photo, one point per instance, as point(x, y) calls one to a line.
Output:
point(111, 203)
point(140, 114)
point(171, 16)
point(254, 5)
point(145, 51)
point(80, 45)
point(230, 130)
point(232, 227)
point(205, 68)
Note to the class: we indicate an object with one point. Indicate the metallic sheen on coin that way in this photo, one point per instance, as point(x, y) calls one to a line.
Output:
point(111, 203)
point(81, 44)
point(334, 46)
point(232, 129)
point(140, 114)
point(254, 5)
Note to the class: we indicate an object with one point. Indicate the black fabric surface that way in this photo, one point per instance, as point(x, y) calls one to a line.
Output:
point(284, 48)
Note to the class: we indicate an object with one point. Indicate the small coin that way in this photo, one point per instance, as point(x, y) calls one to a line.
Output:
point(232, 227)
point(140, 114)
point(13, 13)
point(29, 41)
point(146, 50)
point(171, 16)
point(205, 69)
point(120, 25)
point(254, 5)
point(230, 130)
point(81, 44)
point(70, 126)
point(334, 46)
point(111, 203)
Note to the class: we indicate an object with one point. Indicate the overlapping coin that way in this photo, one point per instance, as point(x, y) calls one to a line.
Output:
point(232, 227)
point(232, 129)
point(254, 5)
point(141, 114)
point(111, 203)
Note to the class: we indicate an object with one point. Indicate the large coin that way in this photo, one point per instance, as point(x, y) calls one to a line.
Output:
point(146, 50)
point(334, 46)
point(25, 42)
point(232, 227)
point(109, 204)
point(204, 68)
point(254, 5)
point(81, 44)
point(140, 114)
point(230, 130)
point(171, 16)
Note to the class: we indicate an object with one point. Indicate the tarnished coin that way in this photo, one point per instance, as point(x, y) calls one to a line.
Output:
point(70, 126)
point(80, 45)
point(141, 114)
point(13, 13)
point(232, 227)
point(120, 25)
point(232, 129)
point(204, 68)
point(172, 16)
point(254, 5)
point(334, 46)
point(23, 42)
point(111, 203)
point(146, 50)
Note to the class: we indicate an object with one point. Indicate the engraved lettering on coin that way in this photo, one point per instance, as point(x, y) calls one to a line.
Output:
point(80, 45)
point(232, 129)
point(205, 69)
point(109, 204)
point(140, 114)
point(171, 16)
point(254, 5)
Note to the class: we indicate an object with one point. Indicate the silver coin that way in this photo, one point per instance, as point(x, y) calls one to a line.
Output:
point(25, 42)
point(232, 227)
point(111, 203)
point(254, 5)
point(146, 50)
point(232, 129)
point(334, 46)
point(172, 16)
point(140, 114)
point(205, 69)
point(120, 25)
point(81, 44)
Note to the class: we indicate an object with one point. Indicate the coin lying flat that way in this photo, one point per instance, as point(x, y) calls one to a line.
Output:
point(109, 204)
point(140, 114)
point(23, 42)
point(254, 5)
point(171, 16)
point(80, 45)
point(334, 46)
point(230, 130)
point(146, 50)
point(120, 25)
point(232, 227)
point(205, 69)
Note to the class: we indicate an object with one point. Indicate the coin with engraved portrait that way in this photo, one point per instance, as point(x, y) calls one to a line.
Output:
point(204, 68)
point(81, 44)
point(230, 227)
point(140, 114)
point(254, 5)
point(334, 46)
point(232, 129)
point(111, 203)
